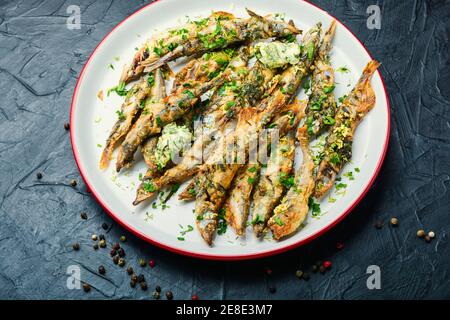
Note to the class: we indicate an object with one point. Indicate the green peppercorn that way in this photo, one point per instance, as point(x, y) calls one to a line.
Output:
point(299, 274)
point(123, 239)
point(142, 262)
point(121, 262)
point(156, 295)
point(116, 259)
point(101, 270)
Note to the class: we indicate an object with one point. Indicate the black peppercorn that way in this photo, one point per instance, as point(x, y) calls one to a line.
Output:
point(134, 277)
point(39, 175)
point(76, 246)
point(83, 215)
point(322, 269)
point(305, 276)
point(104, 226)
point(141, 278)
point(158, 289)
point(378, 225)
point(144, 285)
point(116, 259)
point(113, 252)
point(86, 287)
point(101, 270)
point(169, 295)
point(121, 252)
point(101, 237)
point(95, 246)
point(130, 270)
point(66, 126)
point(73, 183)
point(132, 283)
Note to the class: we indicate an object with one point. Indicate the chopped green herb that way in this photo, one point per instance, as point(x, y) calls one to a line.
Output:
point(329, 89)
point(111, 66)
point(287, 180)
point(252, 169)
point(251, 180)
point(120, 90)
point(151, 80)
point(180, 238)
point(310, 51)
point(329, 120)
point(278, 220)
point(149, 186)
point(120, 115)
point(357, 170)
point(158, 51)
point(258, 219)
point(340, 186)
point(189, 94)
point(158, 121)
point(343, 69)
point(315, 207)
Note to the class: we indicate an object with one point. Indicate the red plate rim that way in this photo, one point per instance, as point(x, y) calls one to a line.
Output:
point(215, 256)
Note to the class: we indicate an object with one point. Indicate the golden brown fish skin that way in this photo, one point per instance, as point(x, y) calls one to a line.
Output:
point(210, 196)
point(322, 103)
point(218, 31)
point(338, 147)
point(148, 151)
point(237, 204)
point(293, 209)
point(189, 192)
point(168, 110)
point(130, 109)
point(138, 133)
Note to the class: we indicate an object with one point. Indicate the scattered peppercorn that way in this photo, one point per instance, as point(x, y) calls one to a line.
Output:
point(95, 246)
point(116, 259)
point(420, 233)
point(140, 278)
point(101, 237)
point(339, 245)
point(116, 246)
point(105, 226)
point(299, 274)
point(86, 287)
point(121, 262)
point(132, 283)
point(144, 286)
point(76, 246)
point(142, 262)
point(427, 238)
point(102, 243)
point(130, 270)
point(94, 237)
point(305, 276)
point(123, 239)
point(194, 297)
point(431, 234)
point(83, 215)
point(134, 277)
point(378, 225)
point(322, 269)
point(158, 289)
point(73, 183)
point(121, 252)
point(394, 222)
point(39, 175)
point(66, 126)
point(152, 263)
point(327, 264)
point(156, 295)
point(113, 252)
point(272, 289)
point(101, 270)
point(169, 295)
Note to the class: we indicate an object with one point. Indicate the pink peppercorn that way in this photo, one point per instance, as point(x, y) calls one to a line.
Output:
point(327, 264)
point(151, 263)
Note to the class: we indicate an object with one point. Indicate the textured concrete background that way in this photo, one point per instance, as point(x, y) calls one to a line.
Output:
point(40, 60)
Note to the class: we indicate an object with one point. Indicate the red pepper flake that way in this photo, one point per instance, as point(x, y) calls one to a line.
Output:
point(339, 245)
point(327, 264)
point(268, 271)
point(151, 263)
point(194, 297)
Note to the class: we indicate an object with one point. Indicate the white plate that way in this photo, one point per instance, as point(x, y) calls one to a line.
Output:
point(91, 120)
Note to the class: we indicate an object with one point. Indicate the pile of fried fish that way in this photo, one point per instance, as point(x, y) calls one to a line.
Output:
point(252, 98)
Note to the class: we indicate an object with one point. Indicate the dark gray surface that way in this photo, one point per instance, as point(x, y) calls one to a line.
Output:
point(40, 60)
